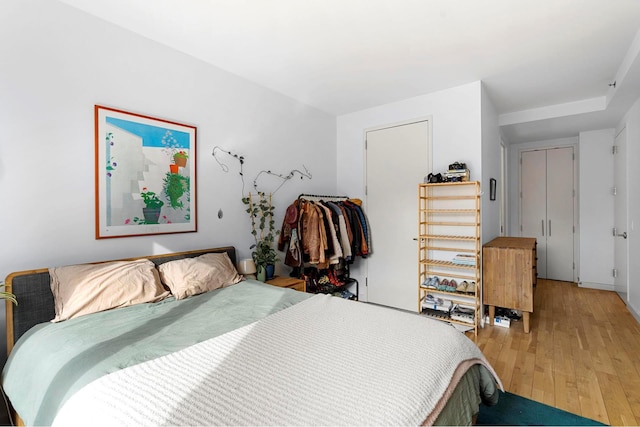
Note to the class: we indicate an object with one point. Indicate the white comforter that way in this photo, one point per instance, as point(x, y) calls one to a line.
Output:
point(299, 366)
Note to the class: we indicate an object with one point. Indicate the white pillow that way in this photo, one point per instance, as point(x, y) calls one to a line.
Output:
point(89, 288)
point(192, 276)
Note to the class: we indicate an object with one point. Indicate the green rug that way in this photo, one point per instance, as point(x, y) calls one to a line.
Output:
point(514, 410)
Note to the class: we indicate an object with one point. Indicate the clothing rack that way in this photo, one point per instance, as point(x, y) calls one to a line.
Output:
point(320, 197)
point(348, 281)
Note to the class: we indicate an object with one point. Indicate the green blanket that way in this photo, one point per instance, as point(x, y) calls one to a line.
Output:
point(54, 360)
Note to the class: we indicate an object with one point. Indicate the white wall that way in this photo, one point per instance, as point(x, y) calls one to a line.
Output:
point(456, 136)
point(57, 62)
point(596, 209)
point(632, 122)
point(490, 169)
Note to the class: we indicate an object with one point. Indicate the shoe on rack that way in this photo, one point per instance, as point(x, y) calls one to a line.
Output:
point(462, 287)
point(431, 300)
point(452, 285)
point(344, 294)
point(471, 288)
point(334, 279)
point(431, 282)
point(435, 282)
point(444, 285)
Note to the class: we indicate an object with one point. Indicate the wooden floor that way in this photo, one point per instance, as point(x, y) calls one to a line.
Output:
point(582, 355)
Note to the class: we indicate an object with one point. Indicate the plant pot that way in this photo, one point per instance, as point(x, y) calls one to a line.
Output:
point(151, 215)
point(173, 168)
point(261, 275)
point(270, 271)
point(180, 161)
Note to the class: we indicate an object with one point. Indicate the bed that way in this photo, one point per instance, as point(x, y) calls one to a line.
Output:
point(243, 353)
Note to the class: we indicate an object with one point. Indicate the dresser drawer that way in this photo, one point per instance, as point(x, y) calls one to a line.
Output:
point(288, 282)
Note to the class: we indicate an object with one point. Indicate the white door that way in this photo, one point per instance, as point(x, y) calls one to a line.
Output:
point(560, 216)
point(397, 160)
point(533, 203)
point(547, 209)
point(620, 254)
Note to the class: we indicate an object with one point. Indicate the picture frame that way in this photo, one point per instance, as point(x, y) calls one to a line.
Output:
point(492, 189)
point(145, 175)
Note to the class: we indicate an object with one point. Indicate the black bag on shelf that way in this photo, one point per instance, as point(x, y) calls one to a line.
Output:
point(435, 178)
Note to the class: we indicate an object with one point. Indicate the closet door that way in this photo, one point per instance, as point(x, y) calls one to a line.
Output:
point(533, 203)
point(547, 209)
point(560, 214)
point(397, 160)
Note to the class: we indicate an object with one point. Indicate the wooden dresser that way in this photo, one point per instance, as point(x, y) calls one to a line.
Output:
point(288, 282)
point(509, 275)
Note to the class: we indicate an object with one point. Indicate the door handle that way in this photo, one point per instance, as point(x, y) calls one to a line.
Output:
point(543, 227)
point(549, 229)
point(623, 235)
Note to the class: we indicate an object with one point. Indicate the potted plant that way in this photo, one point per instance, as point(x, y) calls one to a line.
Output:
point(7, 295)
point(170, 144)
point(180, 158)
point(263, 229)
point(152, 204)
point(174, 187)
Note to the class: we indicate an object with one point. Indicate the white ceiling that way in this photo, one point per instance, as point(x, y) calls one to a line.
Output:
point(547, 64)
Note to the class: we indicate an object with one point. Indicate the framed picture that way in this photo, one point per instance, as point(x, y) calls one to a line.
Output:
point(145, 175)
point(492, 189)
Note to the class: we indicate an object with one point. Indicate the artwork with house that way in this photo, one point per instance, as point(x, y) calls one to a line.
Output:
point(148, 185)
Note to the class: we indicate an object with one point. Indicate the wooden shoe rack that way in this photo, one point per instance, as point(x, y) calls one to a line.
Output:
point(449, 229)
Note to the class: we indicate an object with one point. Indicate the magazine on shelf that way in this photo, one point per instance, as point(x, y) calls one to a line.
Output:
point(464, 259)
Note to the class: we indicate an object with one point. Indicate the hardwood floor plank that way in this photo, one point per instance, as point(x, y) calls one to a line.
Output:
point(543, 387)
point(507, 366)
point(522, 380)
point(591, 400)
point(563, 362)
point(615, 400)
point(567, 397)
point(631, 387)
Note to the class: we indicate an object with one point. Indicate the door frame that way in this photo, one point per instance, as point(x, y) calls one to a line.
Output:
point(623, 290)
point(429, 120)
point(544, 145)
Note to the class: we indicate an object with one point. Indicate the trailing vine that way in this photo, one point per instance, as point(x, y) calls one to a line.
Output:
point(241, 159)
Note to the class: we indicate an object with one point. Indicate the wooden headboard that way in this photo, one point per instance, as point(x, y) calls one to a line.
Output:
point(35, 300)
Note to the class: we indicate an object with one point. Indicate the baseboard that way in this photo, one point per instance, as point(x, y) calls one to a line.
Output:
point(633, 313)
point(593, 285)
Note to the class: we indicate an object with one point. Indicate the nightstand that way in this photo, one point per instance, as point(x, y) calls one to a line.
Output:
point(288, 282)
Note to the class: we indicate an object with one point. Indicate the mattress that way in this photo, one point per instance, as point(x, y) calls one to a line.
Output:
point(53, 362)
